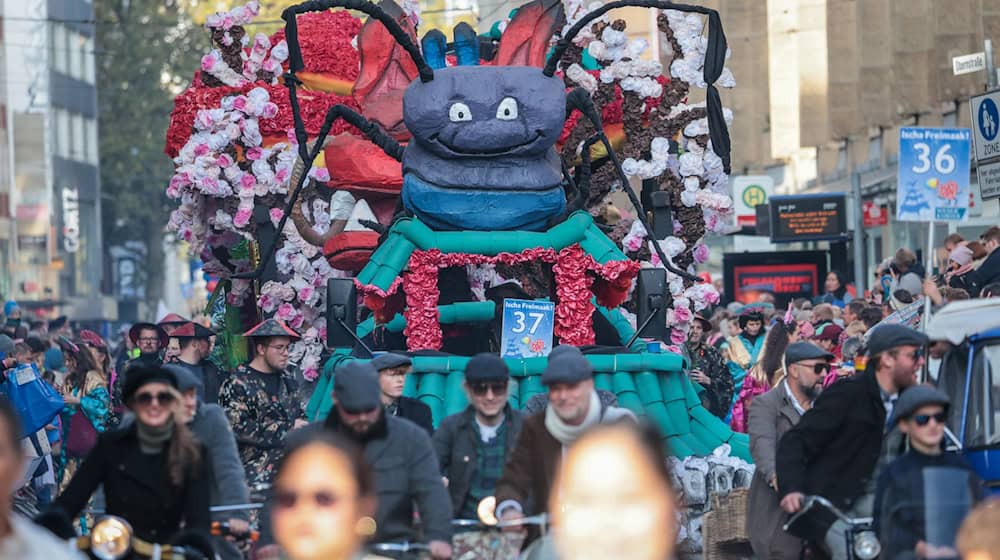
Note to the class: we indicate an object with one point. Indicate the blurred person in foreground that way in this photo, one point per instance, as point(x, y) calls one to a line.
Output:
point(19, 537)
point(899, 498)
point(324, 498)
point(613, 497)
point(840, 445)
point(978, 537)
point(771, 415)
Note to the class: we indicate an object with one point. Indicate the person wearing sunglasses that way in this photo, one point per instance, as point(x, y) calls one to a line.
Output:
point(261, 400)
point(473, 445)
point(324, 498)
point(842, 443)
point(804, 365)
point(920, 414)
point(392, 370)
point(154, 471)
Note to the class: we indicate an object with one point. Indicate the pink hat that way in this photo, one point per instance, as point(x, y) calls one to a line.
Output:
point(961, 254)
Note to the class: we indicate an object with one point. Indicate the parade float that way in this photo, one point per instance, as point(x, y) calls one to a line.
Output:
point(341, 165)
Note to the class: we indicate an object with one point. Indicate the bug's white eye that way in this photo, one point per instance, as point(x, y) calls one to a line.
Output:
point(459, 112)
point(507, 111)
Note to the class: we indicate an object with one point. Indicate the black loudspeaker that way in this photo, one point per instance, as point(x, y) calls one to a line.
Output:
point(652, 304)
point(341, 313)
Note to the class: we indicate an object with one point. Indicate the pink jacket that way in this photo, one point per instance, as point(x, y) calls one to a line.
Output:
point(741, 410)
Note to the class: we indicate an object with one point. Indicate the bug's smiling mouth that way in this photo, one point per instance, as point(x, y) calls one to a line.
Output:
point(480, 152)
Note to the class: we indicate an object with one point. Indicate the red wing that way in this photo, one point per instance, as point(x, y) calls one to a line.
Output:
point(528, 36)
point(385, 67)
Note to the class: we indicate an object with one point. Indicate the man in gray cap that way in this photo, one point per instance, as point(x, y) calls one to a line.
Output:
point(392, 370)
point(400, 453)
point(920, 413)
point(771, 415)
point(573, 408)
point(836, 448)
point(472, 446)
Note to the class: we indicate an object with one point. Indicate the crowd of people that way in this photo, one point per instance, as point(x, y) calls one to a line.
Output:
point(154, 431)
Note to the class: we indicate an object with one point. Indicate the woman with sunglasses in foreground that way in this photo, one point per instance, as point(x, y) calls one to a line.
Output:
point(324, 498)
point(154, 471)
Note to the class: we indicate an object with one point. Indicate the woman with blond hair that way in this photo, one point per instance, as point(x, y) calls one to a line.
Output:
point(153, 471)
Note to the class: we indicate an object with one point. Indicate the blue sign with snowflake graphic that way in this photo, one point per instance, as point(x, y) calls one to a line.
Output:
point(527, 328)
point(933, 175)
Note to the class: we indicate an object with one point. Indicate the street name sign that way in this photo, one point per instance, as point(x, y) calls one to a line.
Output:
point(968, 63)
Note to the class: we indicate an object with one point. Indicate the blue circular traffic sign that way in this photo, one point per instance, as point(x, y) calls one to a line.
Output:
point(988, 119)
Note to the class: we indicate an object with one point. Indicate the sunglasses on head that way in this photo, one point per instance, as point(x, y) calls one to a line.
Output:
point(924, 419)
point(482, 387)
point(286, 499)
point(146, 399)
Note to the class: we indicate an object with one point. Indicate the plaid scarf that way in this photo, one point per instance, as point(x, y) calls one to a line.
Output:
point(490, 458)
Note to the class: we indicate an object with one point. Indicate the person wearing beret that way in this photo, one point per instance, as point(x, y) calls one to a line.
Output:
point(392, 370)
point(574, 407)
point(261, 400)
point(840, 445)
point(804, 366)
point(473, 445)
point(899, 513)
point(154, 471)
point(195, 347)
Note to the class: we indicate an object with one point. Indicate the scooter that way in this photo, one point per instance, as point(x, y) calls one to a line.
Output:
point(112, 538)
point(862, 544)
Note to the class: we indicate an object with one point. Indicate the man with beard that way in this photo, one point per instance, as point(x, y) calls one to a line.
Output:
point(261, 400)
point(401, 455)
point(709, 370)
point(836, 449)
point(771, 415)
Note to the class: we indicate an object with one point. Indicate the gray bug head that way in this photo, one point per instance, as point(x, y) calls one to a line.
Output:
point(486, 111)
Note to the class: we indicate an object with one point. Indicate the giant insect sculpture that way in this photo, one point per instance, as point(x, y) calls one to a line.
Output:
point(482, 156)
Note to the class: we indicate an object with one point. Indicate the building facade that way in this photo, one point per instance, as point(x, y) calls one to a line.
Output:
point(49, 153)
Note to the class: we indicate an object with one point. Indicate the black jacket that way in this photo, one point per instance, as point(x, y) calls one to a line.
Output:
point(455, 444)
point(416, 412)
point(137, 488)
point(210, 376)
point(835, 447)
point(989, 271)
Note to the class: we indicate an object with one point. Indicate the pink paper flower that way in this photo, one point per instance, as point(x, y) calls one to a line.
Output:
point(270, 109)
point(285, 312)
point(255, 153)
point(276, 214)
point(240, 103)
point(242, 218)
point(305, 292)
point(224, 161)
point(682, 315)
point(701, 254)
point(677, 336)
point(320, 174)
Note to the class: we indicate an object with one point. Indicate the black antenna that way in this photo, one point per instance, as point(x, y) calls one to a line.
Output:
point(295, 63)
point(715, 61)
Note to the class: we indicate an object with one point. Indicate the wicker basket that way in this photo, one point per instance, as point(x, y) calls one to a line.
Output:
point(724, 528)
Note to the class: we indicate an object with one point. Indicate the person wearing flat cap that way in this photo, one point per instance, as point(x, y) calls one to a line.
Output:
point(195, 347)
point(841, 444)
point(573, 408)
point(261, 400)
point(920, 413)
point(473, 445)
point(154, 471)
point(771, 415)
point(392, 370)
point(401, 456)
